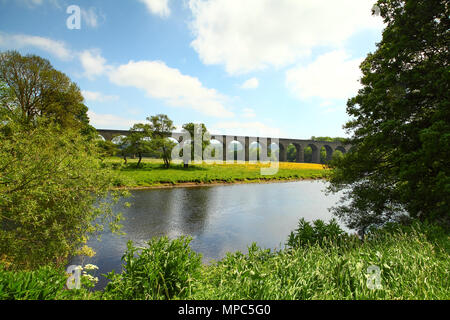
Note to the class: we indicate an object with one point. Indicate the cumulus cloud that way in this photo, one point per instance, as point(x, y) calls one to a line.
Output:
point(251, 35)
point(93, 63)
point(331, 76)
point(252, 83)
point(169, 84)
point(98, 96)
point(257, 129)
point(102, 121)
point(154, 77)
point(248, 113)
point(18, 41)
point(158, 7)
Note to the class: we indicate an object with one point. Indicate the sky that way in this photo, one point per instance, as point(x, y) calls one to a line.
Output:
point(270, 68)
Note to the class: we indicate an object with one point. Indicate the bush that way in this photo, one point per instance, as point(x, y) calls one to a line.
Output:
point(319, 232)
point(49, 183)
point(165, 269)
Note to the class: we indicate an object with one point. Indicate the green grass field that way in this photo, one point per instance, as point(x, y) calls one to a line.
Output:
point(152, 173)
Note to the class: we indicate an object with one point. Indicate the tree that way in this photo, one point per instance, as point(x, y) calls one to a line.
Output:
point(399, 164)
point(160, 129)
point(330, 139)
point(197, 130)
point(137, 142)
point(50, 181)
point(291, 153)
point(307, 154)
point(106, 148)
point(36, 89)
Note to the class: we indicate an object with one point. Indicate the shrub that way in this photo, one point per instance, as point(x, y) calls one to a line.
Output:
point(318, 232)
point(165, 269)
point(49, 183)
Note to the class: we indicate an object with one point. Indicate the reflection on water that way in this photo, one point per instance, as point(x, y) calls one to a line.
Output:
point(219, 218)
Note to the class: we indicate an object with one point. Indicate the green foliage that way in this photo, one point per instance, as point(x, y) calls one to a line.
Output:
point(330, 139)
point(160, 129)
point(165, 269)
point(413, 262)
point(42, 284)
point(137, 142)
point(49, 183)
point(399, 165)
point(411, 267)
point(291, 153)
point(106, 148)
point(33, 88)
point(319, 232)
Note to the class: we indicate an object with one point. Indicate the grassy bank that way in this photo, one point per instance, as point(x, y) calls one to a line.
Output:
point(319, 262)
point(152, 173)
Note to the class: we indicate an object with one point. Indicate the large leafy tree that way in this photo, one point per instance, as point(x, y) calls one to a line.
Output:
point(399, 165)
point(33, 87)
point(51, 179)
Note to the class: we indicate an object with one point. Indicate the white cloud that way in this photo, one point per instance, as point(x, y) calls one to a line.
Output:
point(110, 121)
point(89, 17)
point(248, 113)
point(256, 129)
point(158, 7)
point(18, 41)
point(93, 63)
point(331, 76)
point(251, 35)
point(33, 3)
point(169, 84)
point(252, 83)
point(98, 96)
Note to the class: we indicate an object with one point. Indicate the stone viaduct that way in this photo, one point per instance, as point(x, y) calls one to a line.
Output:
point(246, 141)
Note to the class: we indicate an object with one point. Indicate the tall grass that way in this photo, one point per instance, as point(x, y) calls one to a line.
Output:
point(411, 267)
point(319, 261)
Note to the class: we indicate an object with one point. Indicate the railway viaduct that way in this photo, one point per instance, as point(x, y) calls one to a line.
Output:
point(264, 142)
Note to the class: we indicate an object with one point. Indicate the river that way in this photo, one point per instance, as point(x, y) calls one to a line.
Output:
point(219, 218)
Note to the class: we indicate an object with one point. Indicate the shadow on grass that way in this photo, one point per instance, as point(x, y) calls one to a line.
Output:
point(160, 167)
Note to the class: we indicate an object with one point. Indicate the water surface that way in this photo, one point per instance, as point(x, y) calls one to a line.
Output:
point(219, 218)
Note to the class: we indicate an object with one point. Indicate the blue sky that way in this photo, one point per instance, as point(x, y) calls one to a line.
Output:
point(281, 68)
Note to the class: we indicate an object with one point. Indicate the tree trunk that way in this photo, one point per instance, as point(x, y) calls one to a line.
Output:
point(140, 158)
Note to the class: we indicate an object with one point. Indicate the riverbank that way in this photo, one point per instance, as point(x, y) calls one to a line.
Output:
point(394, 263)
point(212, 183)
point(151, 173)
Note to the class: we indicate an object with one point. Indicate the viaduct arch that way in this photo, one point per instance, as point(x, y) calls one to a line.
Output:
point(265, 142)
